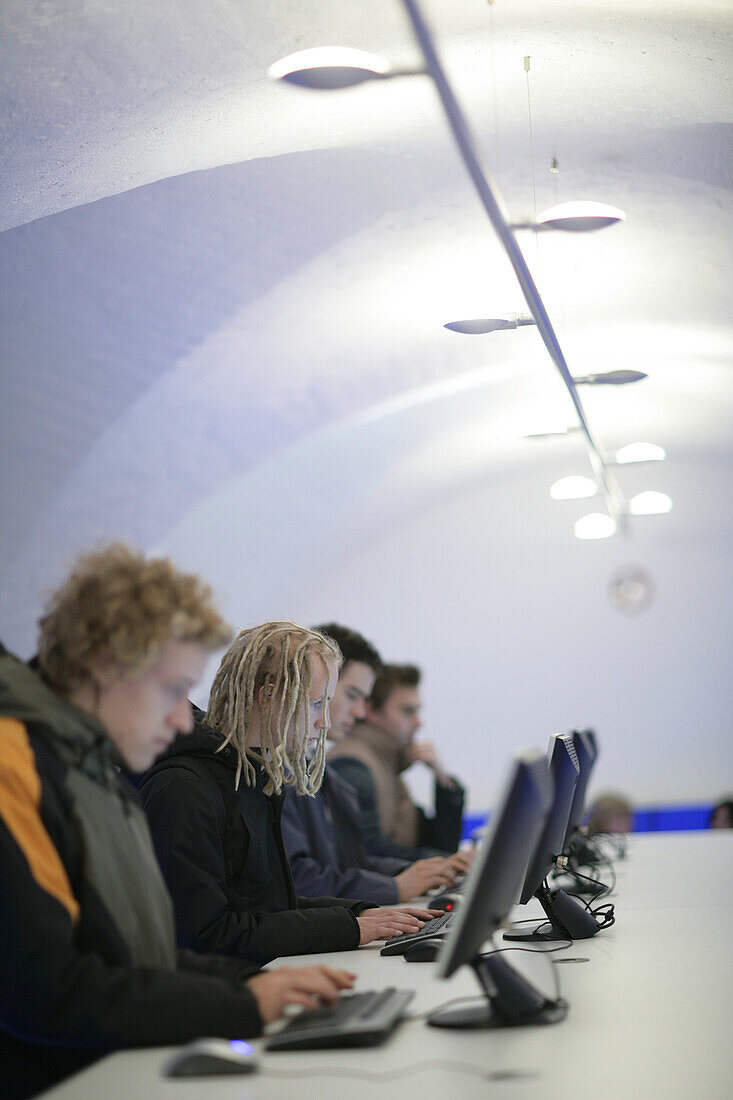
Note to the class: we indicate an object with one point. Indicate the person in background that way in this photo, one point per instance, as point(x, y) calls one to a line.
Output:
point(372, 757)
point(89, 960)
point(214, 804)
point(721, 815)
point(610, 813)
point(322, 833)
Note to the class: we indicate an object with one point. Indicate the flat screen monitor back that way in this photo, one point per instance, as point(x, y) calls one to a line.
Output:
point(586, 759)
point(501, 861)
point(567, 918)
point(523, 991)
point(564, 769)
point(591, 735)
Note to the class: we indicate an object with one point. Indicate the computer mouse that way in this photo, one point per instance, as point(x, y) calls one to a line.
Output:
point(448, 900)
point(423, 951)
point(211, 1057)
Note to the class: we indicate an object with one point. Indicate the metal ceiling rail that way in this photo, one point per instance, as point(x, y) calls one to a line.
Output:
point(491, 201)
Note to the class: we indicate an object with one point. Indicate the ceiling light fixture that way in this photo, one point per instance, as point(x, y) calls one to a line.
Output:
point(325, 68)
point(650, 503)
point(313, 70)
point(491, 324)
point(640, 452)
point(597, 525)
point(573, 488)
point(611, 378)
point(582, 216)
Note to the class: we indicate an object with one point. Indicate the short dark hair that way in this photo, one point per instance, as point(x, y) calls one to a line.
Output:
point(354, 646)
point(391, 677)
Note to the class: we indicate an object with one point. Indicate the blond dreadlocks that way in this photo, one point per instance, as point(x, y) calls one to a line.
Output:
point(280, 657)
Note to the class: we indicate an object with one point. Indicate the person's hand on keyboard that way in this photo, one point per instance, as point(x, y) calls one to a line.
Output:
point(305, 985)
point(422, 876)
point(380, 924)
point(461, 862)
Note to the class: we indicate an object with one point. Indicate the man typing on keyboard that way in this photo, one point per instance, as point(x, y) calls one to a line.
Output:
point(214, 803)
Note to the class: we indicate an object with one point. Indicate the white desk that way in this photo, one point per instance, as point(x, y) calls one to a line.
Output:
point(650, 1012)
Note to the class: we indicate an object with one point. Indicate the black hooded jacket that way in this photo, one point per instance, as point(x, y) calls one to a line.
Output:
point(222, 855)
point(88, 961)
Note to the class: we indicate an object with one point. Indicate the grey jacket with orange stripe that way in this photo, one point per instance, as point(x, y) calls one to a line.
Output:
point(88, 961)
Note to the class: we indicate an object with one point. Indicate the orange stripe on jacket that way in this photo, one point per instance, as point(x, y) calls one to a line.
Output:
point(20, 800)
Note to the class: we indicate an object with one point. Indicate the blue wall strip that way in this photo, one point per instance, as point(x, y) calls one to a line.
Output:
point(667, 819)
point(652, 819)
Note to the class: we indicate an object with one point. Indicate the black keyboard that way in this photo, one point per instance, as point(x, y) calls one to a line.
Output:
point(356, 1020)
point(397, 945)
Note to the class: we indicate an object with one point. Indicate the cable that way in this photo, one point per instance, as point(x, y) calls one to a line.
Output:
point(606, 890)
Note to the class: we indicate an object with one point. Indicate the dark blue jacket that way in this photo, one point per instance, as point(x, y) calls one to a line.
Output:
point(323, 839)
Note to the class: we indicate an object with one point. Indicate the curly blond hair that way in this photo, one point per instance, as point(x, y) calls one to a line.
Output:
point(279, 656)
point(118, 606)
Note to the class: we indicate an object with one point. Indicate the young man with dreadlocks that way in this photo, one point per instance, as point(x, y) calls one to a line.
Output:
point(214, 804)
point(89, 961)
point(323, 834)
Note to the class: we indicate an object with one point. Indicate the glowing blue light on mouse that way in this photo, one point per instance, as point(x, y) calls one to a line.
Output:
point(240, 1046)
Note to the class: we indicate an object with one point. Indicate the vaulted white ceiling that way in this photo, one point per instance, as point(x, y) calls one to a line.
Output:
point(211, 281)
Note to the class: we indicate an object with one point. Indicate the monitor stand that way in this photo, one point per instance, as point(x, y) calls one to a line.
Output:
point(512, 999)
point(569, 920)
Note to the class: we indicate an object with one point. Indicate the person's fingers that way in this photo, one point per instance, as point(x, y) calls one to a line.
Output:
point(299, 997)
point(421, 914)
point(402, 925)
point(440, 878)
point(343, 978)
point(311, 982)
point(385, 927)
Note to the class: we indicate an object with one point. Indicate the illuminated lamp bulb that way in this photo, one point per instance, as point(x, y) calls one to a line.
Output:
point(573, 488)
point(650, 503)
point(640, 452)
point(597, 525)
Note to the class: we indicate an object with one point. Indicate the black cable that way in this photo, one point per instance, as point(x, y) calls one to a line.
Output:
point(607, 912)
point(606, 909)
point(574, 862)
point(595, 882)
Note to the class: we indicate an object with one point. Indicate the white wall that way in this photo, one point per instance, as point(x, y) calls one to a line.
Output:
point(482, 583)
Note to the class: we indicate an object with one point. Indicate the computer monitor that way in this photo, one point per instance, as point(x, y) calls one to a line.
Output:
point(568, 919)
point(586, 755)
point(491, 889)
point(576, 849)
point(591, 735)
